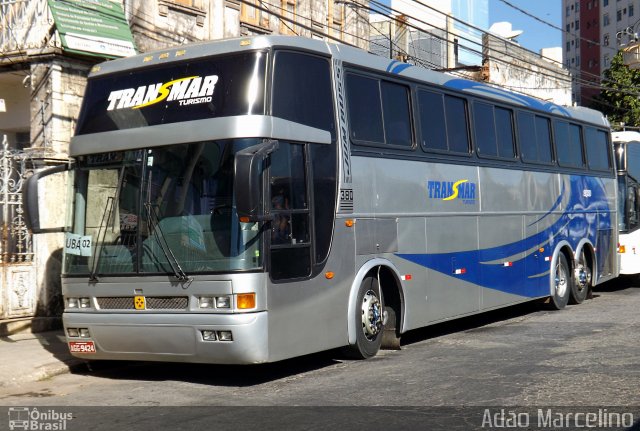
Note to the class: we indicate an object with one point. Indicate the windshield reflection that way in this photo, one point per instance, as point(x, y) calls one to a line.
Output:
point(161, 210)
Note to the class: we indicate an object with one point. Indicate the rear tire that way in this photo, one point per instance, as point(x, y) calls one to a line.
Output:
point(368, 317)
point(561, 282)
point(581, 280)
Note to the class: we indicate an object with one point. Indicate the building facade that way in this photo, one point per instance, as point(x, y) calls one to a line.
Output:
point(594, 31)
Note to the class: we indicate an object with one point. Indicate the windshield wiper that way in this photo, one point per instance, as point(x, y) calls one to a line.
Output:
point(154, 223)
point(108, 214)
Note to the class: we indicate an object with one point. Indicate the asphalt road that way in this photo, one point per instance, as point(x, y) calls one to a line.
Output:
point(460, 375)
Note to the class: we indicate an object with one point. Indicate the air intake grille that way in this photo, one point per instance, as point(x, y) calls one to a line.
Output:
point(152, 303)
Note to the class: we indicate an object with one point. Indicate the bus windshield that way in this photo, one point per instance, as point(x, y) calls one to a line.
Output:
point(167, 210)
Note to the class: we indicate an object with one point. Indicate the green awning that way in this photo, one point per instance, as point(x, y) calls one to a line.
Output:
point(93, 27)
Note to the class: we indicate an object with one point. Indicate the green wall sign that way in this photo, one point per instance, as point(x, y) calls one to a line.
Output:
point(94, 27)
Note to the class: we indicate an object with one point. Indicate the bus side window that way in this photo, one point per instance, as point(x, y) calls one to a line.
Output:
point(632, 206)
point(597, 146)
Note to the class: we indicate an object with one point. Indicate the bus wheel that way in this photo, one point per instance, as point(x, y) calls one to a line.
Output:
point(560, 283)
point(369, 321)
point(581, 280)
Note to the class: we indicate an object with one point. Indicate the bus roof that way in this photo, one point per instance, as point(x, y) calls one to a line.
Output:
point(349, 55)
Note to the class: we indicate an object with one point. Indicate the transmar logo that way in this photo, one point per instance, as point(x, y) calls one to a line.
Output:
point(186, 91)
point(451, 190)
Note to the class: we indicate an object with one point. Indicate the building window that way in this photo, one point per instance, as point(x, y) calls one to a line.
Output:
point(577, 43)
point(288, 11)
point(577, 7)
point(606, 61)
point(605, 40)
point(619, 15)
point(605, 20)
point(568, 45)
point(605, 3)
point(631, 9)
point(197, 4)
point(577, 25)
point(567, 11)
point(249, 14)
point(336, 19)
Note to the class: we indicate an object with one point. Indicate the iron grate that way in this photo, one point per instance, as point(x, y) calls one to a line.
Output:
point(152, 302)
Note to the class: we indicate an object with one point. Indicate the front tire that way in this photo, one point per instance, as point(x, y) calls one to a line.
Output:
point(368, 318)
point(561, 282)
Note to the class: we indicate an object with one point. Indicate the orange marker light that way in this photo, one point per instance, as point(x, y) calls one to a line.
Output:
point(329, 275)
point(246, 301)
point(244, 219)
point(349, 222)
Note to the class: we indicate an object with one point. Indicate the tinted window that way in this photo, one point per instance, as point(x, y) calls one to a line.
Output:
point(504, 132)
point(527, 137)
point(397, 115)
point(633, 160)
point(302, 93)
point(302, 90)
point(434, 134)
point(365, 111)
point(568, 144)
point(456, 119)
point(534, 138)
point(543, 139)
point(484, 129)
point(597, 145)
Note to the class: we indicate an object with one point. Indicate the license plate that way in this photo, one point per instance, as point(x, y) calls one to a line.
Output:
point(82, 347)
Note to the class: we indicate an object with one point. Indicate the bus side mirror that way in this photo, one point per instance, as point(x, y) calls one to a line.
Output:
point(31, 200)
point(247, 175)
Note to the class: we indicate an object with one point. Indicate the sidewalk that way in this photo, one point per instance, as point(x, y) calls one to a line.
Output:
point(27, 357)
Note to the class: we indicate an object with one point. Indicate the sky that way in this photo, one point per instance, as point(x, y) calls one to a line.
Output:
point(536, 34)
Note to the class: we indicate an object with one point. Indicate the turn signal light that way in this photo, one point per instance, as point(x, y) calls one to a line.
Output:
point(246, 301)
point(622, 249)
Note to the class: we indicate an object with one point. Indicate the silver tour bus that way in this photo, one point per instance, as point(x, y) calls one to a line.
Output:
point(251, 200)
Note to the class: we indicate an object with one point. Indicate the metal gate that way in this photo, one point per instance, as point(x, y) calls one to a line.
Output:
point(17, 266)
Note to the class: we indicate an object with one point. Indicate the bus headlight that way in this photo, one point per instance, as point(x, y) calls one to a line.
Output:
point(73, 302)
point(225, 336)
point(205, 302)
point(223, 302)
point(214, 302)
point(209, 335)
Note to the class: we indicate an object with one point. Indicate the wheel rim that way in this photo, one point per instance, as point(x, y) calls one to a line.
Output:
point(371, 315)
point(561, 280)
point(583, 274)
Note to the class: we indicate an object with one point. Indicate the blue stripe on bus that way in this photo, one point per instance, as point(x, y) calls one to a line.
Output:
point(553, 208)
point(529, 276)
point(520, 99)
point(397, 67)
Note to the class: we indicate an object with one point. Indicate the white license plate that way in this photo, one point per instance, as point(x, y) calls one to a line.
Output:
point(82, 347)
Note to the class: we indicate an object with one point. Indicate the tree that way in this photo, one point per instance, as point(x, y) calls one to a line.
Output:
point(619, 99)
